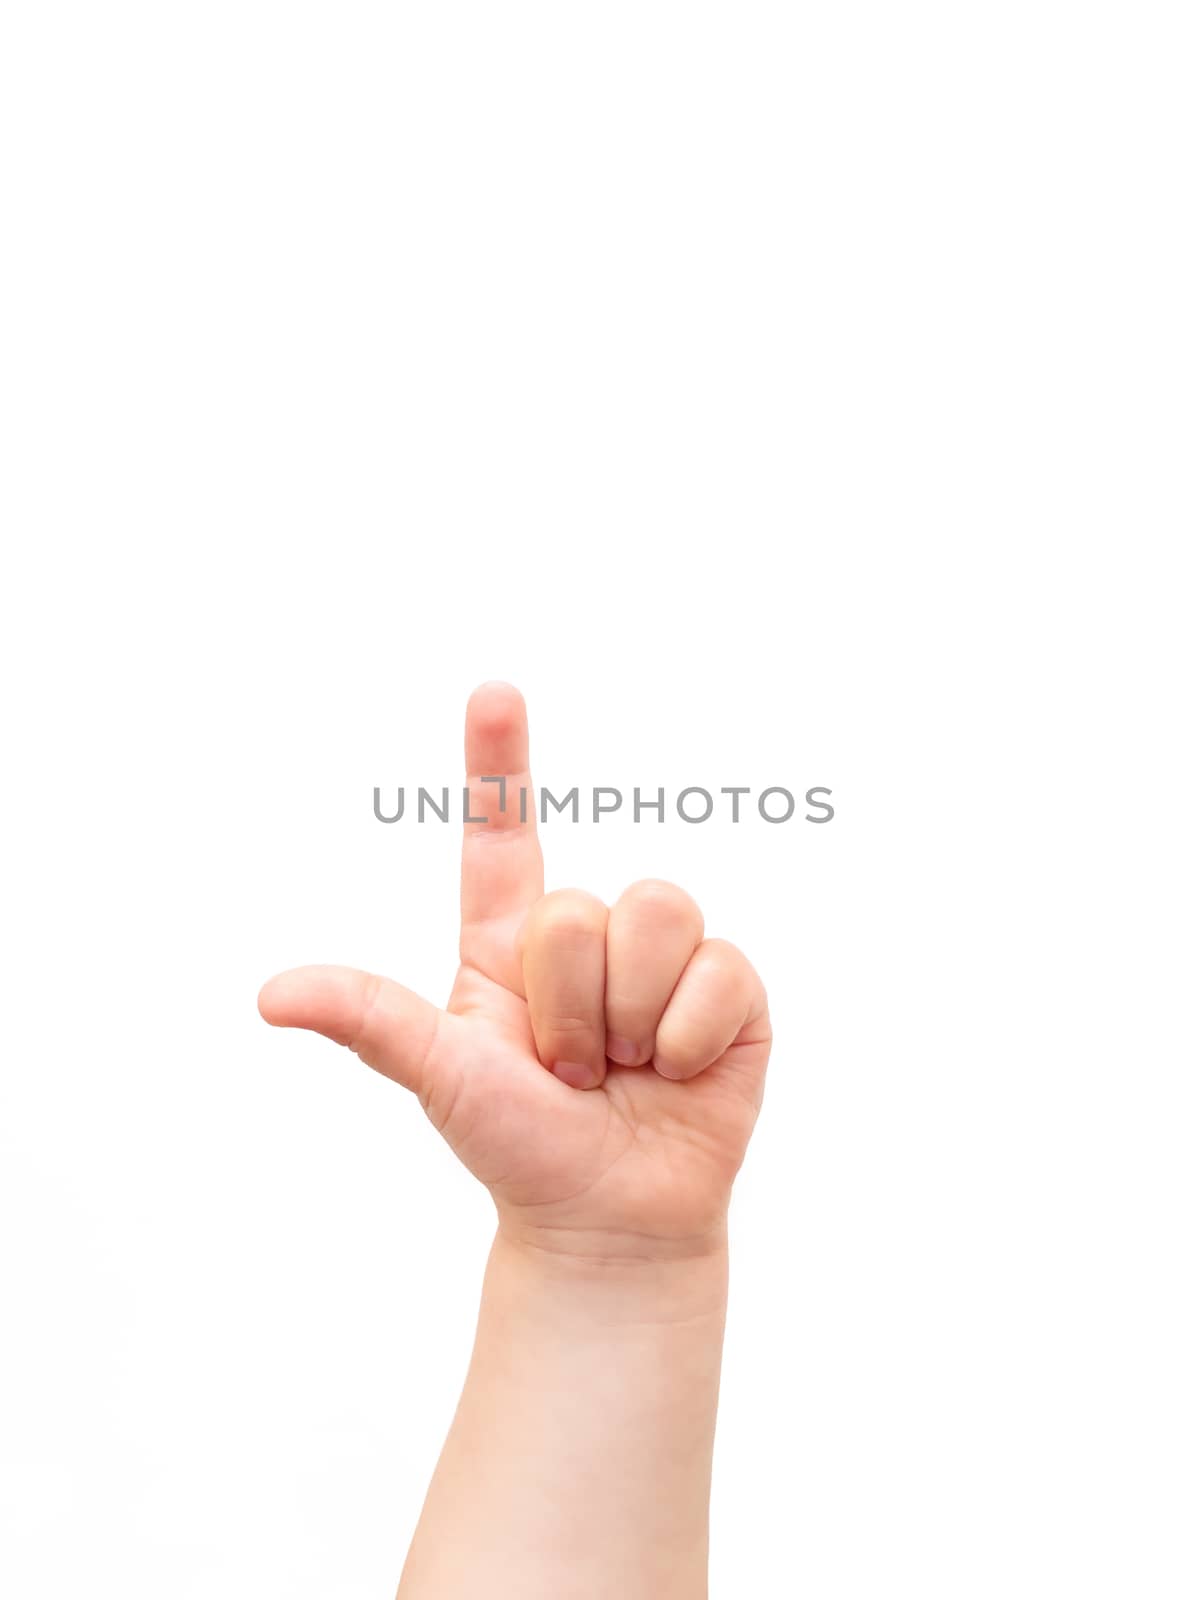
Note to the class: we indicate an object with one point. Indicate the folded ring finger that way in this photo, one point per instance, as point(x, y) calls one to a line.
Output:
point(652, 931)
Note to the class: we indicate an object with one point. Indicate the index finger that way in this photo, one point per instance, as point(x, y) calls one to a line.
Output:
point(501, 857)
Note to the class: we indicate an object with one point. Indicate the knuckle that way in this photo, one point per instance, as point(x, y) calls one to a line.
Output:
point(722, 954)
point(720, 975)
point(571, 914)
point(572, 1026)
point(368, 1005)
point(626, 1010)
point(656, 900)
point(723, 974)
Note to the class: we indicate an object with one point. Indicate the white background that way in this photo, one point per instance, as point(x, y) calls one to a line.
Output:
point(780, 395)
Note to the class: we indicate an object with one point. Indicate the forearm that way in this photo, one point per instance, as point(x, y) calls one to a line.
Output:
point(578, 1465)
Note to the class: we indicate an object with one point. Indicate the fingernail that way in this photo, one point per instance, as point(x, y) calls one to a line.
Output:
point(623, 1051)
point(575, 1074)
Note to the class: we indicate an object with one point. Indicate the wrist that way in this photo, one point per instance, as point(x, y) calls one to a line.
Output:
point(598, 1279)
point(610, 1246)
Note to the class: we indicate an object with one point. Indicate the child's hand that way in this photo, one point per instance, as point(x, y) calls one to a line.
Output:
point(600, 1070)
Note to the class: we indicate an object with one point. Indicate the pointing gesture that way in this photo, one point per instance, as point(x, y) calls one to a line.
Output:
point(599, 1069)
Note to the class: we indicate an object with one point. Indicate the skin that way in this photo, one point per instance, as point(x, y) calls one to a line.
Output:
point(600, 1071)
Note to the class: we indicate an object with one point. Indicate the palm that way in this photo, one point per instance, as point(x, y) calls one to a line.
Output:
point(639, 1146)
